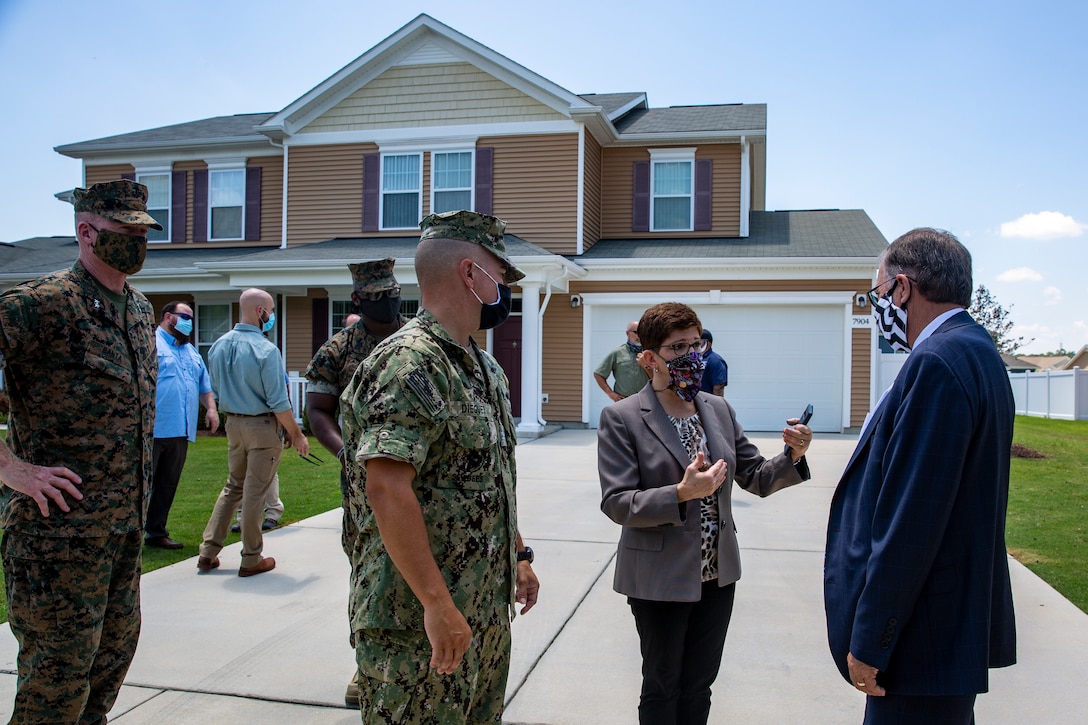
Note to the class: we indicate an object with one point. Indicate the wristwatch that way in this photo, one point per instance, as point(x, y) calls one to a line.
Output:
point(526, 554)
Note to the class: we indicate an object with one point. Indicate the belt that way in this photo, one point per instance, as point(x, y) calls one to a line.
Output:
point(247, 415)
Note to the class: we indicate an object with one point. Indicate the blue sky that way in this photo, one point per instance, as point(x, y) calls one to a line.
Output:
point(968, 116)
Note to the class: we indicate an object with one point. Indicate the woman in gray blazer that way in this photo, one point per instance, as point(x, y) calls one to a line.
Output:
point(666, 457)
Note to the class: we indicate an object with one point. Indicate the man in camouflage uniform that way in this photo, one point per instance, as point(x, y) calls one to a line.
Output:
point(439, 561)
point(78, 352)
point(376, 295)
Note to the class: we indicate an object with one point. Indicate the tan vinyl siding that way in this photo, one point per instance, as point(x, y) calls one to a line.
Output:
point(561, 356)
point(110, 172)
point(189, 167)
point(299, 314)
point(591, 228)
point(617, 194)
point(271, 197)
point(536, 190)
point(860, 341)
point(325, 192)
point(446, 94)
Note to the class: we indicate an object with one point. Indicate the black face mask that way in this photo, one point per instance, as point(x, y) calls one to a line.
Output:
point(493, 314)
point(384, 310)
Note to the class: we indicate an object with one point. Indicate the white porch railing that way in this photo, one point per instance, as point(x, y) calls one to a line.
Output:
point(1060, 394)
point(296, 389)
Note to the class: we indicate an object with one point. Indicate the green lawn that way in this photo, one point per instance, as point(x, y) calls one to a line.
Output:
point(306, 490)
point(1047, 527)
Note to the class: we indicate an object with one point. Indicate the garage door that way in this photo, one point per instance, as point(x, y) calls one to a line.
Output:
point(781, 357)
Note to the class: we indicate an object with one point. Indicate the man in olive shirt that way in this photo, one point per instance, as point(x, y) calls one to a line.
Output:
point(77, 348)
point(622, 365)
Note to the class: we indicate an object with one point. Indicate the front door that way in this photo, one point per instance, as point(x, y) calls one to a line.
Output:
point(507, 341)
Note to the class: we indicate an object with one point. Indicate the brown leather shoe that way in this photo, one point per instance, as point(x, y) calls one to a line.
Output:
point(163, 542)
point(267, 563)
point(351, 696)
point(206, 564)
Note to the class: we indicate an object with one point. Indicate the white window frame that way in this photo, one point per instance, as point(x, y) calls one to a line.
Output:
point(216, 167)
point(168, 172)
point(418, 190)
point(684, 155)
point(201, 346)
point(345, 304)
point(471, 188)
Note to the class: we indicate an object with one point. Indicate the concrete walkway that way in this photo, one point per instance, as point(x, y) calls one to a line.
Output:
point(273, 649)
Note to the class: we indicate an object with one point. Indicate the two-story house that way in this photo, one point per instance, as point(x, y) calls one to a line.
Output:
point(611, 206)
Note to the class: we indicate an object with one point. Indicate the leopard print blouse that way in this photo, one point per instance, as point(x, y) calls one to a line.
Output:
point(694, 440)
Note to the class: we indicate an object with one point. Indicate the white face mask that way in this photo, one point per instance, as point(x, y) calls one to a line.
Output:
point(891, 321)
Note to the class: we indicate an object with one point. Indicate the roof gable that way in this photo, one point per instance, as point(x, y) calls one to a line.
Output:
point(423, 41)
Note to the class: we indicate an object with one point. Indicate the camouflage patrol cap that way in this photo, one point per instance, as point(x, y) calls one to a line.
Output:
point(122, 200)
point(373, 277)
point(469, 226)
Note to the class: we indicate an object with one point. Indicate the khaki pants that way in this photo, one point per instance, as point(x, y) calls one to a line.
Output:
point(254, 449)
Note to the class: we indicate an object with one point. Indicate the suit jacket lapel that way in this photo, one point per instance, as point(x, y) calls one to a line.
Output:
point(660, 425)
point(714, 435)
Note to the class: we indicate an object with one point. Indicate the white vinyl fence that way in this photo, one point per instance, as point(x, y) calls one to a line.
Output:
point(1060, 394)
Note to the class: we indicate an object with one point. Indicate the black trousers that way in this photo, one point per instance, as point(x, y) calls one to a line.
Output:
point(908, 710)
point(167, 460)
point(681, 646)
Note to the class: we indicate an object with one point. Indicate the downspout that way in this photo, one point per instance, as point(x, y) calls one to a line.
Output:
point(283, 221)
point(540, 344)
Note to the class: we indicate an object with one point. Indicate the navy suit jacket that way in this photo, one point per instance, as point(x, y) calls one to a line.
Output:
point(916, 577)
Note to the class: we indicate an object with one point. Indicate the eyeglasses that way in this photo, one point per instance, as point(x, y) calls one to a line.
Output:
point(183, 315)
point(685, 348)
point(874, 298)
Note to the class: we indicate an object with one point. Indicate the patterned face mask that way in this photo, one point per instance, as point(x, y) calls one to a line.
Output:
point(123, 252)
point(891, 321)
point(686, 374)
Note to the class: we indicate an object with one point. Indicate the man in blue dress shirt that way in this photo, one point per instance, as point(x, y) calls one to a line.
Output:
point(184, 384)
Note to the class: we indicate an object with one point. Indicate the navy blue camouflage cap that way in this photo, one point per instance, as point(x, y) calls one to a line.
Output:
point(373, 277)
point(470, 226)
point(123, 201)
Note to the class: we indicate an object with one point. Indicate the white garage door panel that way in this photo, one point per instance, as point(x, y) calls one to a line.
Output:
point(781, 358)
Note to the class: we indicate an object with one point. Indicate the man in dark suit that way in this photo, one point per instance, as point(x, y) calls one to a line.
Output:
point(916, 579)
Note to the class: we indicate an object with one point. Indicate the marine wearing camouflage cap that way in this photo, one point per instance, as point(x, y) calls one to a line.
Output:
point(470, 226)
point(374, 277)
point(122, 200)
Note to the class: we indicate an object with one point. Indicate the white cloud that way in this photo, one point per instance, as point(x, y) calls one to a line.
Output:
point(1052, 296)
point(1044, 225)
point(1020, 274)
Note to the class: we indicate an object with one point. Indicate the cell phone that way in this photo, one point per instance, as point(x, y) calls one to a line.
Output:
point(806, 416)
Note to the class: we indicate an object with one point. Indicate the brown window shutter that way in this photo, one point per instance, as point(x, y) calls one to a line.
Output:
point(485, 175)
point(640, 204)
point(200, 205)
point(372, 188)
point(253, 203)
point(704, 173)
point(178, 186)
point(320, 318)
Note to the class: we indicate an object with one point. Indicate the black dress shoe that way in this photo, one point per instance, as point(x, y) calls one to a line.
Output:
point(236, 528)
point(163, 542)
point(269, 524)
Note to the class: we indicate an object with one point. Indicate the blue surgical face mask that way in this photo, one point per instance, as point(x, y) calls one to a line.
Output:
point(269, 323)
point(185, 327)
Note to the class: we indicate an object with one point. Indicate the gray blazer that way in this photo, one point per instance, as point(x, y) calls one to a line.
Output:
point(640, 459)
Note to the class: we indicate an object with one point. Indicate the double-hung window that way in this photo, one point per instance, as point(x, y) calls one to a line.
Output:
point(402, 190)
point(158, 203)
point(212, 322)
point(226, 203)
point(672, 181)
point(451, 181)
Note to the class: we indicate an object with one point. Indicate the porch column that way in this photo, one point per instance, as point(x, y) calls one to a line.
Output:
point(530, 358)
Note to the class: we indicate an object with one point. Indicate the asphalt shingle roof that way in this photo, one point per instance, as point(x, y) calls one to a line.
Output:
point(684, 119)
point(208, 129)
point(610, 102)
point(822, 233)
